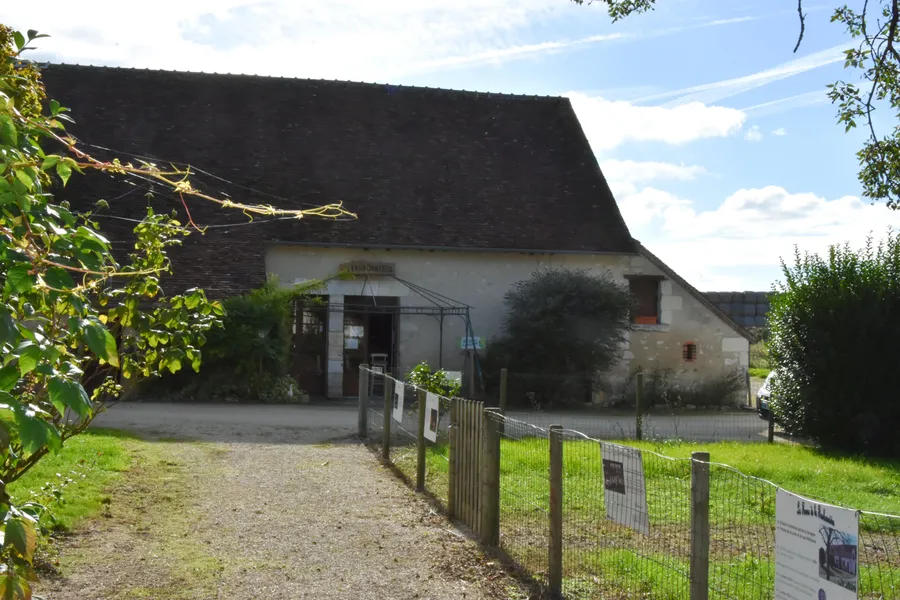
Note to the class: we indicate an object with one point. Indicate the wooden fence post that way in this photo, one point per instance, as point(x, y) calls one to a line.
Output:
point(771, 432)
point(699, 525)
point(638, 398)
point(490, 478)
point(556, 511)
point(420, 443)
point(363, 401)
point(452, 485)
point(388, 407)
point(504, 375)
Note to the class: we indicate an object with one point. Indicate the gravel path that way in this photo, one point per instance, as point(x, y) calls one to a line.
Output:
point(289, 515)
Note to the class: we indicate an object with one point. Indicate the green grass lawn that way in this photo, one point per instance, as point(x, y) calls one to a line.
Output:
point(602, 557)
point(93, 460)
point(759, 372)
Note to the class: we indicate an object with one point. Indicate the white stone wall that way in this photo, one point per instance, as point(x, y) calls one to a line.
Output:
point(480, 279)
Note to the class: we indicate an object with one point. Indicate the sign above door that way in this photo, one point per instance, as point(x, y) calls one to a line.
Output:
point(362, 267)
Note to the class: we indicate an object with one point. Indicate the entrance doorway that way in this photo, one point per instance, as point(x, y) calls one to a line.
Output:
point(370, 327)
point(310, 345)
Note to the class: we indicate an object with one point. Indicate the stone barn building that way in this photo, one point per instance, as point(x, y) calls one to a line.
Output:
point(458, 194)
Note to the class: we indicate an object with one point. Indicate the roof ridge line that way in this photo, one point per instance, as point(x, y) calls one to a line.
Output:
point(346, 82)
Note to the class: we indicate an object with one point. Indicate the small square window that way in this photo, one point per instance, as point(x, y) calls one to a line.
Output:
point(689, 352)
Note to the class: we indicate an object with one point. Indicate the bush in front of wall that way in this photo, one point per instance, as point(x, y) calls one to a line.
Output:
point(562, 327)
point(248, 359)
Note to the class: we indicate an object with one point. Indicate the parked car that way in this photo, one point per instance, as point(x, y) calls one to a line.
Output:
point(764, 396)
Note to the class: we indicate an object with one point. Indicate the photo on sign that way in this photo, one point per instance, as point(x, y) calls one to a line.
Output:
point(837, 557)
point(432, 414)
point(397, 413)
point(614, 476)
point(625, 492)
point(816, 549)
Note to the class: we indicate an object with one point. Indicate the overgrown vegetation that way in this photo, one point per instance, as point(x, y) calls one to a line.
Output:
point(561, 328)
point(248, 358)
point(662, 391)
point(834, 330)
point(74, 320)
point(433, 381)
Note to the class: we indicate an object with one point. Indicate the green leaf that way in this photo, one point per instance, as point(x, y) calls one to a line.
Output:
point(100, 341)
point(19, 279)
point(29, 357)
point(174, 365)
point(65, 393)
point(34, 432)
point(9, 377)
point(50, 162)
point(8, 134)
point(20, 40)
point(64, 171)
point(59, 278)
point(20, 534)
point(25, 177)
point(54, 107)
point(8, 330)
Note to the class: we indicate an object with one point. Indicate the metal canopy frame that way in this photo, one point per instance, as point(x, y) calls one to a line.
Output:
point(438, 306)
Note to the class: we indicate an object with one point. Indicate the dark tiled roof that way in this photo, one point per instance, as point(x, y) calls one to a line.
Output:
point(421, 167)
point(747, 308)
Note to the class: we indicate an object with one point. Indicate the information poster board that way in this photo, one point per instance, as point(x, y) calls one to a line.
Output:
point(624, 490)
point(432, 414)
point(397, 413)
point(816, 549)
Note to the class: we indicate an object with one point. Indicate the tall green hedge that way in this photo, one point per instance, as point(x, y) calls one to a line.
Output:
point(835, 337)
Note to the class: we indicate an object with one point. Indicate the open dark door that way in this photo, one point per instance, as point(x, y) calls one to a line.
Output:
point(310, 347)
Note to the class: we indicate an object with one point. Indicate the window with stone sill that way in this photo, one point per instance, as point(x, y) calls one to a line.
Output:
point(645, 291)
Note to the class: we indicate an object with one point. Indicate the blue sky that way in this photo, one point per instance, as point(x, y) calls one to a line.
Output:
point(718, 140)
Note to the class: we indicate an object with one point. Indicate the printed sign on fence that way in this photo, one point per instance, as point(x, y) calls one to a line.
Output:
point(432, 414)
point(624, 490)
point(816, 549)
point(398, 402)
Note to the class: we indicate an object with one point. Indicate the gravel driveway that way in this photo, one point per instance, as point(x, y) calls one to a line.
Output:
point(275, 510)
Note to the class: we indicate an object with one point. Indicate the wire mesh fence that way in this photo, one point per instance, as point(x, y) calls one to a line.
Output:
point(607, 548)
point(525, 495)
point(742, 535)
point(620, 550)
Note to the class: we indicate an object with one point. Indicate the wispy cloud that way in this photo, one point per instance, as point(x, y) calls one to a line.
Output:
point(719, 90)
point(788, 103)
point(781, 131)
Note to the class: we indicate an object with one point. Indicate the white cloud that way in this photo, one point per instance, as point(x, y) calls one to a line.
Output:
point(753, 134)
point(339, 39)
point(345, 39)
point(719, 90)
point(781, 131)
point(751, 229)
point(610, 124)
point(630, 171)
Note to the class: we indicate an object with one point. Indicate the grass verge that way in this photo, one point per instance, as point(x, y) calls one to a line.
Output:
point(93, 461)
point(759, 372)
